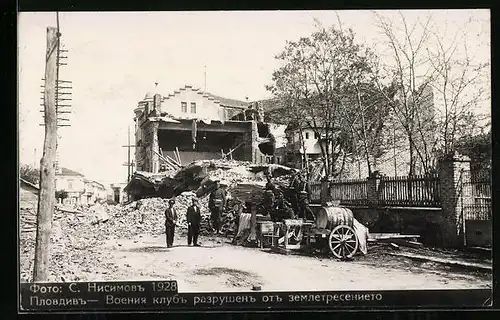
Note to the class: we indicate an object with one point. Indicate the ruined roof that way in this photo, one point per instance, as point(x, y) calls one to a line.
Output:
point(268, 104)
point(68, 172)
point(228, 102)
point(29, 184)
point(93, 182)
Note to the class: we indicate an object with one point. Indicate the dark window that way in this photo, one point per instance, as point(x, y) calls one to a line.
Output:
point(184, 107)
point(193, 107)
point(307, 135)
point(316, 135)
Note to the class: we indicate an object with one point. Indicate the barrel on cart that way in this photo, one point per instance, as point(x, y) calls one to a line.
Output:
point(339, 222)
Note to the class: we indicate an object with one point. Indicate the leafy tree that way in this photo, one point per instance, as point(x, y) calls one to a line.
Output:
point(321, 84)
point(61, 194)
point(479, 149)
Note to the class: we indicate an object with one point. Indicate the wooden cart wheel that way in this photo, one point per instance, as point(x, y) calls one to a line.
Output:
point(343, 242)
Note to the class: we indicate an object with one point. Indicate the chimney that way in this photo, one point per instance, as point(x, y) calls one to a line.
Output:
point(157, 104)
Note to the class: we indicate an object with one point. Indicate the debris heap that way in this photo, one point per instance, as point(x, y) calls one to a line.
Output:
point(79, 230)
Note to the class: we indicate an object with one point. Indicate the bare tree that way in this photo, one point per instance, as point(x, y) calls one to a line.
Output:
point(459, 83)
point(411, 75)
point(425, 71)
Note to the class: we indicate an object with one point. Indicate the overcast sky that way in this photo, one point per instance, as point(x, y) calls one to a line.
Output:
point(115, 58)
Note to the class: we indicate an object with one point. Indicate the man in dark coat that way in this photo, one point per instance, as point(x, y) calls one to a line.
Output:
point(194, 221)
point(282, 209)
point(216, 204)
point(304, 198)
point(170, 222)
point(294, 187)
point(269, 199)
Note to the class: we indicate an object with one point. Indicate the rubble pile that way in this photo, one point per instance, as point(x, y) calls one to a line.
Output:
point(73, 244)
point(80, 229)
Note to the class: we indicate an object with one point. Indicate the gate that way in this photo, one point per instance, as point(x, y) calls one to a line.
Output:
point(476, 208)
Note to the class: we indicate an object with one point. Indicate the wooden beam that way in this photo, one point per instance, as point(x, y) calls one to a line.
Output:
point(47, 196)
point(168, 160)
point(237, 127)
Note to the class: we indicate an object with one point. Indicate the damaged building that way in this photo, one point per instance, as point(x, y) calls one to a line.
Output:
point(198, 125)
point(188, 124)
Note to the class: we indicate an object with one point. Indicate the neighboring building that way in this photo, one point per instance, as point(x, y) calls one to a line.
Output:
point(28, 195)
point(93, 191)
point(296, 148)
point(73, 183)
point(198, 124)
point(117, 194)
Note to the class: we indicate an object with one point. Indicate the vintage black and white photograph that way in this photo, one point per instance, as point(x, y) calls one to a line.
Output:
point(247, 151)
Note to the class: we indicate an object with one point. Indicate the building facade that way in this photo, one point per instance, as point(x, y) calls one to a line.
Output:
point(78, 189)
point(93, 192)
point(298, 148)
point(117, 195)
point(72, 183)
point(197, 125)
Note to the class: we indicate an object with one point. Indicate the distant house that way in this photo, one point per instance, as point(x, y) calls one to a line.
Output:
point(73, 183)
point(28, 195)
point(93, 191)
point(296, 147)
point(118, 195)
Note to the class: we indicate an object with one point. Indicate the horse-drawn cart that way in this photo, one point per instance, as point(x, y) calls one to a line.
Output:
point(334, 230)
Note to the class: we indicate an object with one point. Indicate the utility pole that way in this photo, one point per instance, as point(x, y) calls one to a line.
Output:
point(129, 164)
point(54, 91)
point(62, 95)
point(46, 200)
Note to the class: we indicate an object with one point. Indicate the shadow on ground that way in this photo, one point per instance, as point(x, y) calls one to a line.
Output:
point(149, 249)
point(233, 277)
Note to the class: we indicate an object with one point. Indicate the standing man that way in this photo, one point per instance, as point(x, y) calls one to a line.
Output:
point(269, 198)
point(170, 222)
point(294, 188)
point(194, 221)
point(304, 197)
point(216, 204)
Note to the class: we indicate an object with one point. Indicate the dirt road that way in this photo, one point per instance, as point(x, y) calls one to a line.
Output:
point(219, 266)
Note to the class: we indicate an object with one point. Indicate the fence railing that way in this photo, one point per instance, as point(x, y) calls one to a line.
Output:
point(350, 192)
point(478, 205)
point(418, 191)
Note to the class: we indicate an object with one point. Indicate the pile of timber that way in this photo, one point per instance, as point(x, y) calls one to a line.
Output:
point(395, 240)
point(168, 162)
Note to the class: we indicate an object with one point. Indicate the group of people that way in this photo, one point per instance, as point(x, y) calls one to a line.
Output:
point(274, 203)
point(279, 208)
point(216, 204)
point(193, 217)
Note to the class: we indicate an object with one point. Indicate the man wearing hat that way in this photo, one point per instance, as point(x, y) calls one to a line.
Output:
point(216, 204)
point(170, 222)
point(194, 221)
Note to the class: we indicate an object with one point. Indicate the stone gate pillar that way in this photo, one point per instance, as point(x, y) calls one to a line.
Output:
point(454, 181)
point(373, 182)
